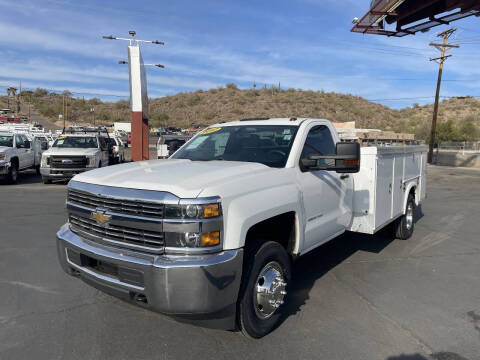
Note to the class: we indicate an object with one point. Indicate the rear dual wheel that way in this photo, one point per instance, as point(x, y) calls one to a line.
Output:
point(264, 289)
point(404, 225)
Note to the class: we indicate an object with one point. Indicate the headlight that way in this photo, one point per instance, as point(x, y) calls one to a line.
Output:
point(193, 211)
point(207, 237)
point(91, 160)
point(45, 161)
point(192, 239)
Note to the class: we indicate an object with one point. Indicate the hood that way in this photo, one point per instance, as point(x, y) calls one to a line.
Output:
point(4, 149)
point(71, 151)
point(183, 178)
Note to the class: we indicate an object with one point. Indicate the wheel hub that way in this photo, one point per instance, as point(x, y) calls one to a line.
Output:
point(409, 216)
point(270, 290)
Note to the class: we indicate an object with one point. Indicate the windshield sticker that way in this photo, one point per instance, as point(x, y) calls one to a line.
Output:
point(211, 130)
point(286, 132)
point(60, 141)
point(287, 137)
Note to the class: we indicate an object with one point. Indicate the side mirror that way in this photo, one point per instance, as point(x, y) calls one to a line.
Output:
point(44, 145)
point(26, 144)
point(346, 159)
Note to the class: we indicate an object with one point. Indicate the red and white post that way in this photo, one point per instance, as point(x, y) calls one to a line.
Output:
point(138, 104)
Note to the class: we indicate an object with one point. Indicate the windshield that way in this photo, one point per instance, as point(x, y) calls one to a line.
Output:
point(82, 142)
point(266, 144)
point(6, 140)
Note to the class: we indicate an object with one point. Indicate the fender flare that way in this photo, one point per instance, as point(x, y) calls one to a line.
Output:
point(408, 188)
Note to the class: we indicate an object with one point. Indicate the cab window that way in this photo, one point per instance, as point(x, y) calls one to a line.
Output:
point(319, 142)
point(19, 140)
point(103, 143)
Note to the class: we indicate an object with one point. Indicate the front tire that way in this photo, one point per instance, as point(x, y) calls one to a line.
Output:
point(263, 291)
point(405, 224)
point(12, 176)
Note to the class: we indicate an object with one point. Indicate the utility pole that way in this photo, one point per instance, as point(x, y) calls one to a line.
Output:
point(440, 60)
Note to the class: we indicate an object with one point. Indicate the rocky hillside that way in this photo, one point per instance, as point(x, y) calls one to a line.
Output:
point(459, 119)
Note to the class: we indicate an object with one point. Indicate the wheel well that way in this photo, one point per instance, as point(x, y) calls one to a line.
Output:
point(412, 192)
point(280, 228)
point(14, 161)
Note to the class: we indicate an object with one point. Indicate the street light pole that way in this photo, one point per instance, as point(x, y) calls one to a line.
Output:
point(138, 94)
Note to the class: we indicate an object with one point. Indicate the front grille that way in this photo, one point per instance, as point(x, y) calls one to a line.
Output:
point(119, 206)
point(152, 241)
point(68, 162)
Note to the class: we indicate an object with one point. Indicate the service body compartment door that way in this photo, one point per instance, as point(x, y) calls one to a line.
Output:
point(383, 190)
point(398, 193)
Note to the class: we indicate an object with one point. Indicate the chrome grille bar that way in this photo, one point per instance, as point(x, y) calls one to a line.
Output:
point(132, 238)
point(73, 162)
point(120, 206)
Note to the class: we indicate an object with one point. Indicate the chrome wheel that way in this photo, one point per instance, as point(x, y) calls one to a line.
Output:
point(14, 174)
point(409, 216)
point(269, 291)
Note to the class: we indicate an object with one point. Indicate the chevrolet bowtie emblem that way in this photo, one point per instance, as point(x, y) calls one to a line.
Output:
point(100, 217)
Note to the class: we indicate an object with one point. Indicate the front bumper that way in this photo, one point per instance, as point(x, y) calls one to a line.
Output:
point(4, 167)
point(56, 173)
point(197, 288)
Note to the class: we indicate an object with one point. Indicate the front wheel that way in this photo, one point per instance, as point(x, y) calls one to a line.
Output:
point(405, 224)
point(264, 288)
point(12, 176)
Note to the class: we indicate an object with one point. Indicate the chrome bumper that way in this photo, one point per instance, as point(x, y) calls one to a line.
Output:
point(197, 288)
point(56, 173)
point(4, 167)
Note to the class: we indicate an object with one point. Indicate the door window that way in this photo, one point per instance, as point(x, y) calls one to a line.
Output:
point(103, 144)
point(19, 141)
point(319, 142)
point(26, 142)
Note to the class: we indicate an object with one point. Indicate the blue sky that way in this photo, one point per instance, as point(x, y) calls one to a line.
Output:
point(57, 44)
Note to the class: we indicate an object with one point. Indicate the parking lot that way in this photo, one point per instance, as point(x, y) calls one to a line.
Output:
point(357, 297)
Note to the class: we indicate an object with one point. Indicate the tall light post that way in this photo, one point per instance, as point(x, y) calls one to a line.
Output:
point(138, 94)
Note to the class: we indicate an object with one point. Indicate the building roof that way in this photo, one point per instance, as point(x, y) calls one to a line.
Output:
point(425, 14)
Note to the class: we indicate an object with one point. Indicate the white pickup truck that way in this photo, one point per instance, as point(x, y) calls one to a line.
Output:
point(72, 154)
point(19, 152)
point(209, 234)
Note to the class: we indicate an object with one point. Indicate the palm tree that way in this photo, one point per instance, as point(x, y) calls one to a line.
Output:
point(11, 91)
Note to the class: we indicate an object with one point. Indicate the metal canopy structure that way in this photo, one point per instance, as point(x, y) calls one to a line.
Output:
point(412, 16)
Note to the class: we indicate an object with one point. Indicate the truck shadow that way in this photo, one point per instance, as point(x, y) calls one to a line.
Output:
point(435, 356)
point(26, 177)
point(312, 266)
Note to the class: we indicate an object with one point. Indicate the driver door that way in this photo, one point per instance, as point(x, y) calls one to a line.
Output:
point(326, 199)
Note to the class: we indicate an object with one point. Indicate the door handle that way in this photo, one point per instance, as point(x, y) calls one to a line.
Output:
point(343, 177)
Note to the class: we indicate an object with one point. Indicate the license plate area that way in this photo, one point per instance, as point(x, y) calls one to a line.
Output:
point(105, 268)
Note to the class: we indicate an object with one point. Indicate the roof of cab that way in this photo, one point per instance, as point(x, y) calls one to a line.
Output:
point(293, 121)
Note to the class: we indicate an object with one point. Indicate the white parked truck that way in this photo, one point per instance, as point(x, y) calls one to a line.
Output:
point(74, 153)
point(19, 152)
point(209, 234)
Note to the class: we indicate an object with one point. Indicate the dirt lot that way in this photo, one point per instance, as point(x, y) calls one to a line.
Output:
point(357, 297)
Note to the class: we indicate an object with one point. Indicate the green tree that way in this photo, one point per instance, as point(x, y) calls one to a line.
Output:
point(446, 131)
point(468, 130)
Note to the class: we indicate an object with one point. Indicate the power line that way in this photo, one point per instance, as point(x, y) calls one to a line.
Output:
point(71, 92)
